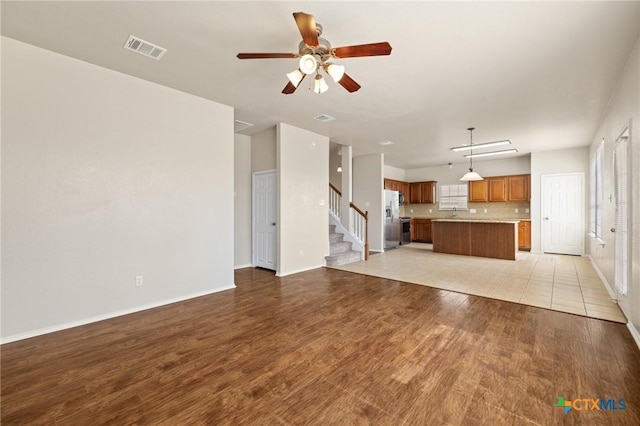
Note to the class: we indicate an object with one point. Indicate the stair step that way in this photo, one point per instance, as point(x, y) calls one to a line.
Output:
point(340, 247)
point(343, 258)
point(335, 237)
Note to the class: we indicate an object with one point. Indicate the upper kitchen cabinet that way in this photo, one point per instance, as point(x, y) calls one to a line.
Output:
point(497, 188)
point(422, 192)
point(478, 192)
point(518, 187)
point(500, 188)
point(397, 185)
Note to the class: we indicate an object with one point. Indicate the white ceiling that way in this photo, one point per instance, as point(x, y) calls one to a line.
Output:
point(538, 73)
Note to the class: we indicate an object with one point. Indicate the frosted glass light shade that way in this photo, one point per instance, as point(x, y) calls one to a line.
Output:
point(471, 176)
point(335, 71)
point(295, 77)
point(308, 64)
point(320, 86)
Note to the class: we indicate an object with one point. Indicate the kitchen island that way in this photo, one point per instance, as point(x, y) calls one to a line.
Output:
point(476, 237)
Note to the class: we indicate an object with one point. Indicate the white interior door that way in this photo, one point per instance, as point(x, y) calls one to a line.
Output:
point(563, 213)
point(264, 220)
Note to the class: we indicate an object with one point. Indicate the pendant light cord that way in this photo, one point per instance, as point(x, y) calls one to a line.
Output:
point(470, 129)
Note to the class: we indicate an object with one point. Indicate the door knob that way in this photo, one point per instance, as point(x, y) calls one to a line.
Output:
point(273, 224)
point(546, 218)
point(613, 229)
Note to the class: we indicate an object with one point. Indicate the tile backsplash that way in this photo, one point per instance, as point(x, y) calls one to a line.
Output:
point(493, 211)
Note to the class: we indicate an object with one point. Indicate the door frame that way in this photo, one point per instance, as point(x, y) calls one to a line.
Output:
point(253, 215)
point(542, 208)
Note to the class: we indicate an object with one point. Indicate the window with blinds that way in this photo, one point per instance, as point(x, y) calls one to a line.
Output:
point(621, 237)
point(596, 193)
point(453, 196)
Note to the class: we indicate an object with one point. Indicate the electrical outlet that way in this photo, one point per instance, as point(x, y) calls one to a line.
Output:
point(485, 210)
point(139, 280)
point(526, 210)
point(517, 210)
point(472, 211)
point(430, 210)
point(411, 210)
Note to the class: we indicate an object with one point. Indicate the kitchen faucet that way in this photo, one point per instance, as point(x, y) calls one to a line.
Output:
point(453, 213)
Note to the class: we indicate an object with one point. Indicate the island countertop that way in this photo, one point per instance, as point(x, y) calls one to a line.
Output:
point(512, 221)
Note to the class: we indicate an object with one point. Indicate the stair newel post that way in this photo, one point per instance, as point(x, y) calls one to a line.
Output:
point(366, 235)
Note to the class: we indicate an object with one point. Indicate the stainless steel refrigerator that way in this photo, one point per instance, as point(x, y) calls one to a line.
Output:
point(391, 219)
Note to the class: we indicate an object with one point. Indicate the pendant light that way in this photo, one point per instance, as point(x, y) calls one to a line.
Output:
point(471, 175)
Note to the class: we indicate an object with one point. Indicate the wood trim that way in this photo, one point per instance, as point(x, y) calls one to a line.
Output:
point(335, 189)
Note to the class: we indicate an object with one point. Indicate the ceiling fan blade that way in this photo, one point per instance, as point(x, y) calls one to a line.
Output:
point(290, 88)
point(373, 49)
point(266, 55)
point(307, 26)
point(349, 83)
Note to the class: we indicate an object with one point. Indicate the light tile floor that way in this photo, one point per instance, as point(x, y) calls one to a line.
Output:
point(561, 283)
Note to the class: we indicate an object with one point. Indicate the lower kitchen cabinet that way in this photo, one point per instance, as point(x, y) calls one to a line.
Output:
point(421, 231)
point(524, 235)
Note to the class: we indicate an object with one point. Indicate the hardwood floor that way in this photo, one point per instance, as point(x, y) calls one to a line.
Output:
point(325, 347)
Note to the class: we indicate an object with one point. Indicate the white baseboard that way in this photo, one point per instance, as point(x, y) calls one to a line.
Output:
point(248, 265)
point(85, 321)
point(634, 333)
point(278, 274)
point(612, 294)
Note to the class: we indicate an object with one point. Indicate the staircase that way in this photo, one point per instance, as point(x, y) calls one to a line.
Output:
point(340, 251)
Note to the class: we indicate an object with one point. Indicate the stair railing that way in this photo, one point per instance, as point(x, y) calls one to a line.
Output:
point(360, 226)
point(359, 220)
point(335, 201)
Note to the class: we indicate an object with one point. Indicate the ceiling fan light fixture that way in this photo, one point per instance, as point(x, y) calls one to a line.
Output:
point(308, 64)
point(335, 71)
point(295, 77)
point(320, 85)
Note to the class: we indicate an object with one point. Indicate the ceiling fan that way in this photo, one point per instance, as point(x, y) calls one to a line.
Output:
point(315, 53)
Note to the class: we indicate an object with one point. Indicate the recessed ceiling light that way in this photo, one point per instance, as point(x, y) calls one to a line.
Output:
point(384, 143)
point(481, 145)
point(324, 118)
point(486, 154)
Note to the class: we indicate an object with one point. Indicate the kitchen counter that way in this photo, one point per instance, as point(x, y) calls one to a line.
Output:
point(476, 237)
point(479, 220)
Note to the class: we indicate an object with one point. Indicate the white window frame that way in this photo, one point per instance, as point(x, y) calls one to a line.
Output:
point(596, 195)
point(453, 196)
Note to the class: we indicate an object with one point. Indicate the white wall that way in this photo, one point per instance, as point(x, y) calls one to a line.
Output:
point(444, 175)
point(106, 177)
point(368, 185)
point(573, 160)
point(263, 150)
point(394, 173)
point(335, 161)
point(303, 190)
point(242, 201)
point(624, 107)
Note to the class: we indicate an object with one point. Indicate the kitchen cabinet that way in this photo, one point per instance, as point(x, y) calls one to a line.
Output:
point(500, 189)
point(421, 230)
point(397, 185)
point(478, 192)
point(497, 188)
point(422, 192)
point(518, 187)
point(496, 239)
point(524, 235)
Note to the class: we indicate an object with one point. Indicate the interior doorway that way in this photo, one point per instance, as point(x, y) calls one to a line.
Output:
point(264, 213)
point(563, 213)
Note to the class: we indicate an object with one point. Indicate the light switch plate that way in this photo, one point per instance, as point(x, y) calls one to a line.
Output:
point(472, 211)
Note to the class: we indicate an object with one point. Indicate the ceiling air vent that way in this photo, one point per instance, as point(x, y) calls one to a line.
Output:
point(144, 48)
point(240, 125)
point(324, 118)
